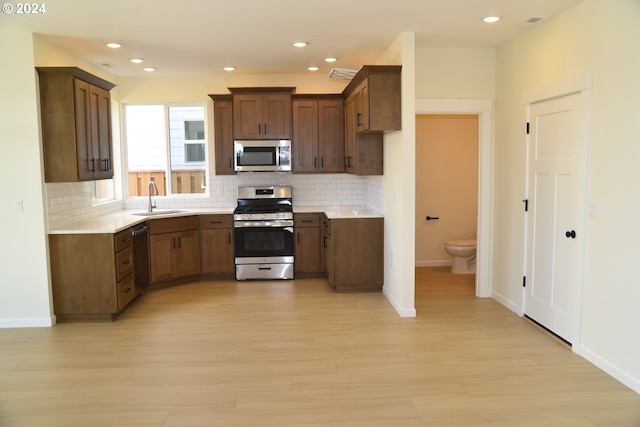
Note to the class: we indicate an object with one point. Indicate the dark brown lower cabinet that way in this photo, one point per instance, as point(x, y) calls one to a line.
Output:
point(91, 275)
point(216, 244)
point(174, 248)
point(354, 253)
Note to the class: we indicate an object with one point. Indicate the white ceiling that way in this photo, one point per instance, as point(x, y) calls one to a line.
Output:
point(203, 36)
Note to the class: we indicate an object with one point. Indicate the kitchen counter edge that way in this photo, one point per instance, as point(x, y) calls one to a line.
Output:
point(115, 222)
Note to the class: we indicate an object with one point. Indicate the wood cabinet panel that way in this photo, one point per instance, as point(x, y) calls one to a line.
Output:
point(91, 275)
point(261, 113)
point(223, 134)
point(161, 248)
point(308, 247)
point(76, 125)
point(216, 244)
point(318, 135)
point(169, 225)
point(174, 248)
point(355, 254)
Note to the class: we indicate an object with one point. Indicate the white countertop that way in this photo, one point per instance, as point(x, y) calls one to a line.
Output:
point(121, 220)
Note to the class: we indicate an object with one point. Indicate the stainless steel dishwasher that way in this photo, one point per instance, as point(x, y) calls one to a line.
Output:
point(141, 255)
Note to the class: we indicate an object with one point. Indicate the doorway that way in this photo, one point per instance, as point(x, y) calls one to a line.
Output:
point(483, 109)
point(446, 184)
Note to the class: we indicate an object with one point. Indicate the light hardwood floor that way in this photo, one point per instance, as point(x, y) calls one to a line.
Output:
point(294, 353)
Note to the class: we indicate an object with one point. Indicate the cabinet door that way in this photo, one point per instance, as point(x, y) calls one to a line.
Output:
point(217, 251)
point(86, 163)
point(276, 116)
point(223, 124)
point(247, 116)
point(362, 106)
point(331, 136)
point(350, 135)
point(357, 249)
point(307, 250)
point(187, 254)
point(100, 107)
point(305, 136)
point(160, 256)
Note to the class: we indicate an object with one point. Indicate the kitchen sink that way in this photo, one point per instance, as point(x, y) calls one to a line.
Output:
point(159, 212)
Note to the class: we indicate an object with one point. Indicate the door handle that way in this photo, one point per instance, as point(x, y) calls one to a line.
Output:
point(570, 234)
point(431, 218)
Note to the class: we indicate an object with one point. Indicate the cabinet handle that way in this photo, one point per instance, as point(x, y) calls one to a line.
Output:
point(298, 236)
point(322, 162)
point(325, 241)
point(265, 129)
point(229, 236)
point(259, 129)
point(230, 163)
point(315, 162)
point(126, 262)
point(174, 242)
point(215, 222)
point(179, 242)
point(358, 115)
point(129, 289)
point(93, 165)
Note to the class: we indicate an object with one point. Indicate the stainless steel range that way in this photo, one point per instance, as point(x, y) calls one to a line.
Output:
point(263, 233)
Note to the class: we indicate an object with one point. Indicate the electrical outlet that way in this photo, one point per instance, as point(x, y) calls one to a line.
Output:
point(17, 206)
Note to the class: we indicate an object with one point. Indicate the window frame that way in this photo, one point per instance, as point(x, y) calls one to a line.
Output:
point(170, 194)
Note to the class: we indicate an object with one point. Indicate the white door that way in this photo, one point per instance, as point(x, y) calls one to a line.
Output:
point(556, 193)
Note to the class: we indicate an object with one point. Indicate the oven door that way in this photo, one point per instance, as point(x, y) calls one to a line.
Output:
point(258, 241)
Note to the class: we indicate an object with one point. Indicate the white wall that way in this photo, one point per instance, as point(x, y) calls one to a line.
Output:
point(24, 287)
point(601, 37)
point(455, 73)
point(399, 186)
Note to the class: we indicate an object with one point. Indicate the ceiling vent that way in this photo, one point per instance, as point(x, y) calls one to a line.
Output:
point(531, 21)
point(342, 73)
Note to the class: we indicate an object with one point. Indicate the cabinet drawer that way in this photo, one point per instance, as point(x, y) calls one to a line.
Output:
point(124, 263)
point(170, 225)
point(216, 221)
point(123, 240)
point(126, 291)
point(306, 220)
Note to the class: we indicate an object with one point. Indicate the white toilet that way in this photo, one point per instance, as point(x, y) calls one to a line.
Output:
point(464, 255)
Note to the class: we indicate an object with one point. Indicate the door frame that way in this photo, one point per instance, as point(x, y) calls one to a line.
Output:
point(567, 85)
point(483, 108)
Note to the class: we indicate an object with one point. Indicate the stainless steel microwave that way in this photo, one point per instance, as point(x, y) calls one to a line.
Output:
point(262, 155)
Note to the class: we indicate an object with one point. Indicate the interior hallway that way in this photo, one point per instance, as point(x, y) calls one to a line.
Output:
point(294, 353)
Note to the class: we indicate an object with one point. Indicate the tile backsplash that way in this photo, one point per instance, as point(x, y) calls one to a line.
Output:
point(71, 202)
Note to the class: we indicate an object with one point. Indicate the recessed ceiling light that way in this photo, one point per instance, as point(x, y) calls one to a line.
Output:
point(491, 19)
point(313, 68)
point(229, 68)
point(114, 45)
point(149, 69)
point(136, 60)
point(299, 44)
point(330, 59)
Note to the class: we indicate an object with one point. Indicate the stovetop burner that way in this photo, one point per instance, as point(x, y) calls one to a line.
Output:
point(264, 203)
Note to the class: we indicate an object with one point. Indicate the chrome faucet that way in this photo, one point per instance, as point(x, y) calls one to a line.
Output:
point(152, 203)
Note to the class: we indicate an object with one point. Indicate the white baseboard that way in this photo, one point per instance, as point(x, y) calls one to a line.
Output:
point(39, 322)
point(507, 303)
point(403, 312)
point(437, 263)
point(617, 373)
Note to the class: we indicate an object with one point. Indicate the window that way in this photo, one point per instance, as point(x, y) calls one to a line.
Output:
point(194, 141)
point(102, 191)
point(167, 145)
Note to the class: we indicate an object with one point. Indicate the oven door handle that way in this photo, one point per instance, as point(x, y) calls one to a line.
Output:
point(282, 224)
